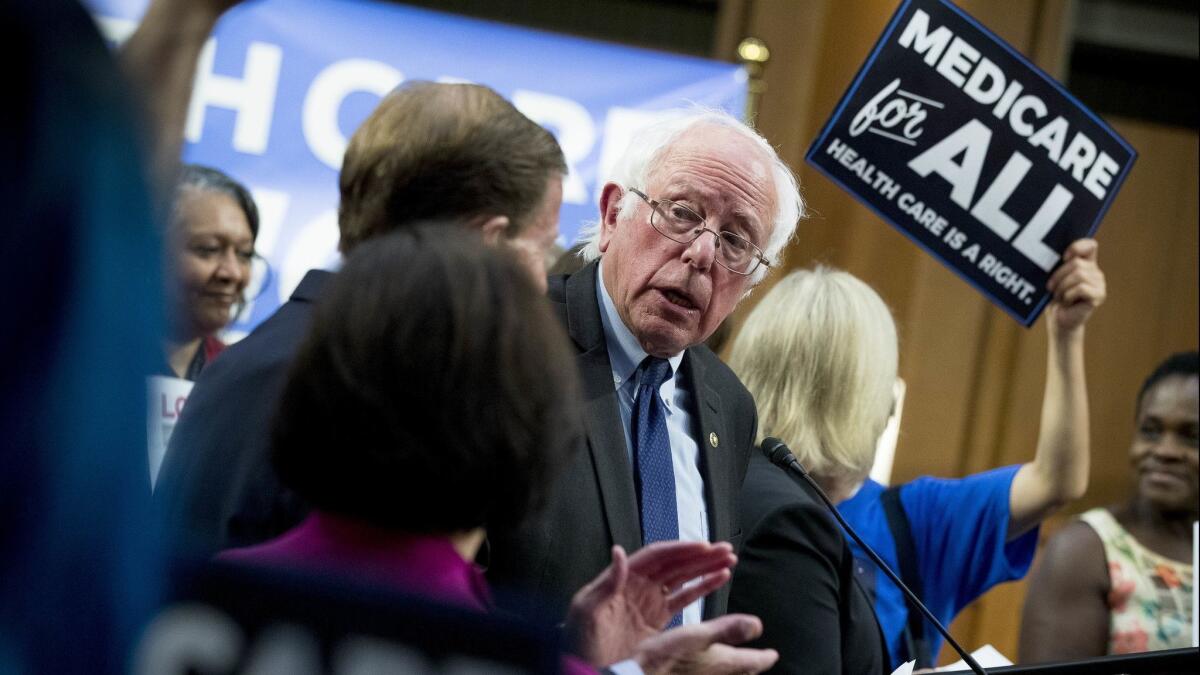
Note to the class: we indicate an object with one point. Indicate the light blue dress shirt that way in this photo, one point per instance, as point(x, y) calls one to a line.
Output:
point(625, 355)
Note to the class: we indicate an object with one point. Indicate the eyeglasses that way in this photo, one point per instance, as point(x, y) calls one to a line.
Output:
point(261, 275)
point(681, 224)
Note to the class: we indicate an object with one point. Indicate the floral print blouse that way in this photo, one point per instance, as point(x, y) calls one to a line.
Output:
point(1150, 600)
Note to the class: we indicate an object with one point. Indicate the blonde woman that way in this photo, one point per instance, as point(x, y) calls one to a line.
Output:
point(819, 354)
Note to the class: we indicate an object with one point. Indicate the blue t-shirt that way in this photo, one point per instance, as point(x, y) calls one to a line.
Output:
point(959, 528)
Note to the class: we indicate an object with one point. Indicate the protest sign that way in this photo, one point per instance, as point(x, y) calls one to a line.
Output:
point(165, 398)
point(283, 84)
point(973, 153)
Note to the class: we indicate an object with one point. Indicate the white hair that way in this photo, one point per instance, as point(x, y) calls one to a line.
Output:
point(819, 355)
point(650, 144)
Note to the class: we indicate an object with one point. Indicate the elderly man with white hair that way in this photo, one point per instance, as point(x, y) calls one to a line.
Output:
point(693, 216)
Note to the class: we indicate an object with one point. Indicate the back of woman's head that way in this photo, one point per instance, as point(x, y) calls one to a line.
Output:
point(435, 392)
point(819, 355)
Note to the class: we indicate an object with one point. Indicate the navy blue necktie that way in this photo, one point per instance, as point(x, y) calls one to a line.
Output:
point(652, 454)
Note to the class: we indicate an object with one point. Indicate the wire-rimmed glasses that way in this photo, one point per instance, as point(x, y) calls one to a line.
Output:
point(681, 224)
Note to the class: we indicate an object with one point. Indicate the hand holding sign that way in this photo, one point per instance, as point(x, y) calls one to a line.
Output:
point(980, 158)
point(1077, 287)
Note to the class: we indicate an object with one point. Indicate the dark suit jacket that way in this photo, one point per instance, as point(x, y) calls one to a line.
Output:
point(594, 504)
point(796, 573)
point(217, 488)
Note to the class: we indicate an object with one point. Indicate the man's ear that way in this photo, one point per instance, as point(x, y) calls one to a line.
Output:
point(493, 228)
point(610, 208)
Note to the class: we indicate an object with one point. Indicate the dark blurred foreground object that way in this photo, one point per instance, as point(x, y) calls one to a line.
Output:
point(226, 618)
point(79, 564)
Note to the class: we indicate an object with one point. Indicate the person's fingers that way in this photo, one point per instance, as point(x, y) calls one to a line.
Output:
point(1064, 270)
point(689, 594)
point(660, 559)
point(726, 659)
point(697, 567)
point(1081, 254)
point(652, 559)
point(1090, 279)
point(704, 642)
point(1088, 249)
point(1082, 293)
point(731, 629)
point(1074, 278)
point(1056, 278)
point(734, 629)
point(1079, 273)
point(1099, 292)
point(608, 582)
point(620, 568)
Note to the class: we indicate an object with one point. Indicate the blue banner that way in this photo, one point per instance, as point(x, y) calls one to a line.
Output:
point(973, 153)
point(282, 85)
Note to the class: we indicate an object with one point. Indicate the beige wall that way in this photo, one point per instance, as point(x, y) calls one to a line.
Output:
point(974, 376)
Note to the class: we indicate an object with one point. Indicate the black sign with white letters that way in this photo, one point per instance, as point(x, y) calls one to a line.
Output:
point(974, 153)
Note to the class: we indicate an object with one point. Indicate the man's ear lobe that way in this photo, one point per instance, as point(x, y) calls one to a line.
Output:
point(493, 227)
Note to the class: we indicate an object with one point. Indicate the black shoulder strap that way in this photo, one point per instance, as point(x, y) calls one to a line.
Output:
point(906, 552)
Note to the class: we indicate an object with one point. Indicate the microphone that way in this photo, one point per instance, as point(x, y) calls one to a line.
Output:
point(781, 456)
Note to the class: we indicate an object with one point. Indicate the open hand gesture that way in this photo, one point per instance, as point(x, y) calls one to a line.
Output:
point(635, 597)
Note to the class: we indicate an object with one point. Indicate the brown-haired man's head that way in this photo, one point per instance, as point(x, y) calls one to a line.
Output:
point(453, 151)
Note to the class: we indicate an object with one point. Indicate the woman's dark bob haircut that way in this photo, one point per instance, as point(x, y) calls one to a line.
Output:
point(435, 393)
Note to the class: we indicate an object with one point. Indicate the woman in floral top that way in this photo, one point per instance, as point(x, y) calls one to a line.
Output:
point(1119, 580)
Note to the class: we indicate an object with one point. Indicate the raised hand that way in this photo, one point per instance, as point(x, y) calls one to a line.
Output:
point(635, 597)
point(1077, 287)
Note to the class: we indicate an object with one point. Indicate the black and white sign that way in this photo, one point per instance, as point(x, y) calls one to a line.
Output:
point(974, 153)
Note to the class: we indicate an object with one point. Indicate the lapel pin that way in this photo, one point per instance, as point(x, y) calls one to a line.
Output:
point(712, 439)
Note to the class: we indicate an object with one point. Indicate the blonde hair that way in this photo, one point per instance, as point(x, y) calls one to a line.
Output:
point(819, 354)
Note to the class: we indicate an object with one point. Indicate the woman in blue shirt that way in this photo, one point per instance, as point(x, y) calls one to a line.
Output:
point(819, 354)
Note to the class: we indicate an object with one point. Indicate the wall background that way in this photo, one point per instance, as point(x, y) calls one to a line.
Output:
point(974, 376)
